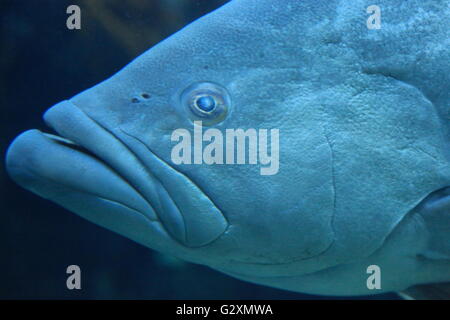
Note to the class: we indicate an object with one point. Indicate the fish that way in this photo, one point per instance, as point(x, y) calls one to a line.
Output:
point(356, 195)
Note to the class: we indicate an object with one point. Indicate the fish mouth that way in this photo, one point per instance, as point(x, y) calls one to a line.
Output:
point(111, 178)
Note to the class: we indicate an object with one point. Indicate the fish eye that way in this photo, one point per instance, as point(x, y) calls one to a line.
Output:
point(207, 102)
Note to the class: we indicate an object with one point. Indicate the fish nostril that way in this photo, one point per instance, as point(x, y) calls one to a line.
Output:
point(144, 96)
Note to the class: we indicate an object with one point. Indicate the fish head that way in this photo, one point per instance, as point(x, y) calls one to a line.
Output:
point(313, 206)
point(111, 159)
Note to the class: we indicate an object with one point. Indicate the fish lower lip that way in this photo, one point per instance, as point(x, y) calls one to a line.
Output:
point(55, 167)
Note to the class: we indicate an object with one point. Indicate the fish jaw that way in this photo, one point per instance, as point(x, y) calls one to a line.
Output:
point(90, 171)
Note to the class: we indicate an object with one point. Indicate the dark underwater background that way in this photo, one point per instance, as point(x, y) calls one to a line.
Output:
point(42, 63)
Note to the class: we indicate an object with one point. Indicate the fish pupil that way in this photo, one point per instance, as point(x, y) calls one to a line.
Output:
point(205, 103)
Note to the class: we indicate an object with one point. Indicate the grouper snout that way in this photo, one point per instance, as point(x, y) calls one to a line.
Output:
point(99, 174)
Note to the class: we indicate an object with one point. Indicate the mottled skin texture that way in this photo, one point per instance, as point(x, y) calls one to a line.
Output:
point(364, 140)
